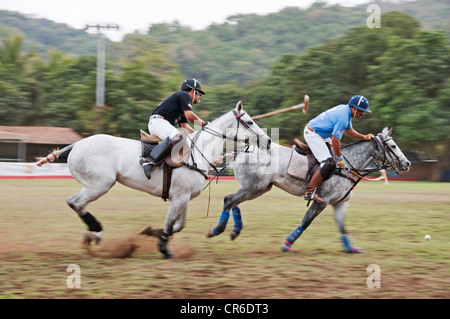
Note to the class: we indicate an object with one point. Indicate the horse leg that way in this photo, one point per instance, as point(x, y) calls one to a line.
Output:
point(315, 209)
point(177, 212)
point(230, 203)
point(237, 217)
point(179, 225)
point(339, 214)
point(79, 202)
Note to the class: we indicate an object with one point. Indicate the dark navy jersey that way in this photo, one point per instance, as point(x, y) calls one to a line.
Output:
point(173, 107)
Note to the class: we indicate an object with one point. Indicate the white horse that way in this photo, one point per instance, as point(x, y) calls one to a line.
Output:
point(98, 161)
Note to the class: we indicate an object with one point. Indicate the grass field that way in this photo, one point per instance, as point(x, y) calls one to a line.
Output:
point(41, 236)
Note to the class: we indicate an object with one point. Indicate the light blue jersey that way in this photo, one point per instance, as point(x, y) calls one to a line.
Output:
point(332, 122)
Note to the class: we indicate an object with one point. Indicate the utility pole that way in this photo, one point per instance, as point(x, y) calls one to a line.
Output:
point(100, 89)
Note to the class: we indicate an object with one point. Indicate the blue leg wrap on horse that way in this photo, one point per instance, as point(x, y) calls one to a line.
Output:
point(237, 220)
point(292, 238)
point(346, 242)
point(223, 221)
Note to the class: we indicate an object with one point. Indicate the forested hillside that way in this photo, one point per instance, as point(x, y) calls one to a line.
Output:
point(403, 68)
point(43, 34)
point(242, 49)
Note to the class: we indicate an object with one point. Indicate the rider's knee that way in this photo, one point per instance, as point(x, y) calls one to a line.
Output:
point(327, 167)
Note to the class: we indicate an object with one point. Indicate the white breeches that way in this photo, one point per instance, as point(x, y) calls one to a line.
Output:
point(317, 145)
point(161, 128)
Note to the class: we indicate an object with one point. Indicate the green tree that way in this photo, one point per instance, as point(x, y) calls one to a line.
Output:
point(132, 97)
point(410, 85)
point(17, 87)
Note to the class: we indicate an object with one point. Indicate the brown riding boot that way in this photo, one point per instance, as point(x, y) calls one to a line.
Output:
point(314, 184)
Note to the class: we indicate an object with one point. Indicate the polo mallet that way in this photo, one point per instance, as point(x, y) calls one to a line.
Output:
point(303, 105)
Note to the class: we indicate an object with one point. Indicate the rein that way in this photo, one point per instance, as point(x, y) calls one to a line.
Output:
point(225, 137)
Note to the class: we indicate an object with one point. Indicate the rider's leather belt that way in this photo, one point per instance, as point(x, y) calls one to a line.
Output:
point(307, 126)
point(153, 117)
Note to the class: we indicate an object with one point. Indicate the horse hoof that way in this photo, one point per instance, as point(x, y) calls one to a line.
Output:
point(233, 235)
point(356, 250)
point(285, 249)
point(167, 255)
point(91, 236)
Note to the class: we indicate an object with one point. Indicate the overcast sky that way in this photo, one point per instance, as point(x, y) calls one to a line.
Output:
point(138, 15)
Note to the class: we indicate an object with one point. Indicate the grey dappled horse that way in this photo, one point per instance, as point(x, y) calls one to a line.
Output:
point(259, 170)
point(99, 161)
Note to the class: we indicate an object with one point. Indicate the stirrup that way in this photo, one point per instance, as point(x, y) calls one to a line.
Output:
point(147, 165)
point(312, 195)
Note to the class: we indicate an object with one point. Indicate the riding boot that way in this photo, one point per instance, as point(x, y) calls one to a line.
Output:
point(148, 164)
point(314, 184)
point(159, 153)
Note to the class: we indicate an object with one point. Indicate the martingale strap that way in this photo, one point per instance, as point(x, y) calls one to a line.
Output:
point(167, 180)
point(355, 182)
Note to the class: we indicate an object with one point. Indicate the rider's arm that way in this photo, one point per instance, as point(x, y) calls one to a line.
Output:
point(354, 134)
point(336, 144)
point(187, 128)
point(192, 117)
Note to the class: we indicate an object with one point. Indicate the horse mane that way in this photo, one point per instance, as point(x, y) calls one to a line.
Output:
point(353, 144)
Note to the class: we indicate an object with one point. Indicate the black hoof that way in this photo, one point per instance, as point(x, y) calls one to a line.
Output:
point(167, 255)
point(163, 249)
point(233, 235)
point(162, 246)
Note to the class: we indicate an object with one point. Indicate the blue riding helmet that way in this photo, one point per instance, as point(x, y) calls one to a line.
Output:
point(360, 102)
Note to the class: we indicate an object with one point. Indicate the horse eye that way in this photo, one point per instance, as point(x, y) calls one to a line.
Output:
point(250, 122)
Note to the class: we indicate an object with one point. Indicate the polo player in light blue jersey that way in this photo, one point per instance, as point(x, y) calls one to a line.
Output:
point(329, 126)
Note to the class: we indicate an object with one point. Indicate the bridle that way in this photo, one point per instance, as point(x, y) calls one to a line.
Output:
point(213, 132)
point(239, 122)
point(384, 156)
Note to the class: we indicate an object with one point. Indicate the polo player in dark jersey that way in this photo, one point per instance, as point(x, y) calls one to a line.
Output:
point(175, 109)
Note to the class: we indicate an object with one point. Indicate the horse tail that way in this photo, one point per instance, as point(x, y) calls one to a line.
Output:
point(53, 155)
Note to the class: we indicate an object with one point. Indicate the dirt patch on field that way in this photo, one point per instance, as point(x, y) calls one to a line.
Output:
point(40, 237)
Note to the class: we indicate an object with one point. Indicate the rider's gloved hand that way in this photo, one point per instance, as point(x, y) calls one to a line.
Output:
point(368, 137)
point(340, 162)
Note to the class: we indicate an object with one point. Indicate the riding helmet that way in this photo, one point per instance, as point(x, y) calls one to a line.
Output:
point(360, 102)
point(193, 84)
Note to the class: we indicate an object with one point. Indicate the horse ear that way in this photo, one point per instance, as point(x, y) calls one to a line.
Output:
point(239, 106)
point(385, 131)
point(390, 131)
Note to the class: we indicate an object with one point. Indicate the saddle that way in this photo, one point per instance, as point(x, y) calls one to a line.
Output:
point(168, 161)
point(303, 163)
point(149, 142)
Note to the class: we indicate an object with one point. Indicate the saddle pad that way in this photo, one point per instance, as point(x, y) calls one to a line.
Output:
point(298, 166)
point(149, 138)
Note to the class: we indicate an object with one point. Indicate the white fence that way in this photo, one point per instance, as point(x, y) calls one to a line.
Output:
point(30, 169)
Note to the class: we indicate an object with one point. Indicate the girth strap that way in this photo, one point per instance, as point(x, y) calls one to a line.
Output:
point(167, 180)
